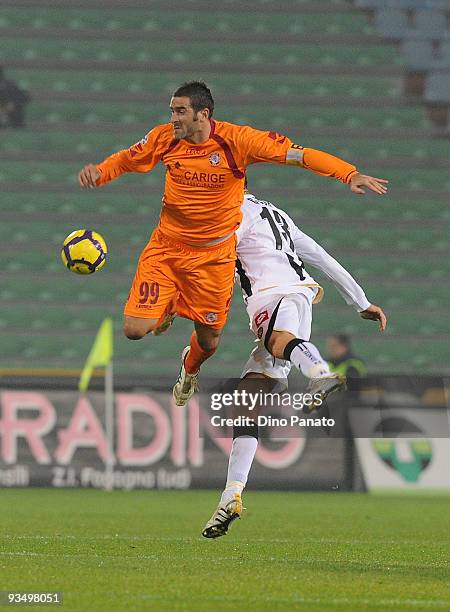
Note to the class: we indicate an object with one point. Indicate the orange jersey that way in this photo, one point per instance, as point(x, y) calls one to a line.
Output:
point(204, 185)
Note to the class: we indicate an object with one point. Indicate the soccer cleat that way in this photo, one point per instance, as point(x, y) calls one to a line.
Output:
point(222, 518)
point(186, 385)
point(166, 322)
point(321, 388)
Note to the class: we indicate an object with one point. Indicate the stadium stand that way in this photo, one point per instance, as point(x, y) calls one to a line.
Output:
point(422, 28)
point(319, 71)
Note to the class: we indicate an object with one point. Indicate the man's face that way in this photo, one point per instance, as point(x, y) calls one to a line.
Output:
point(335, 348)
point(183, 118)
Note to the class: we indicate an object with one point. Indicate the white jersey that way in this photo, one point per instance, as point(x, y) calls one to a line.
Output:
point(272, 251)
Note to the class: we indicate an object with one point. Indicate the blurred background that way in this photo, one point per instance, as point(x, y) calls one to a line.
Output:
point(367, 80)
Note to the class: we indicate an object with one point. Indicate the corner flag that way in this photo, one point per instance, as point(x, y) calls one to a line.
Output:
point(100, 354)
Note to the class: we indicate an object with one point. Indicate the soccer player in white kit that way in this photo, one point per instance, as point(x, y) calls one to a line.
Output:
point(279, 295)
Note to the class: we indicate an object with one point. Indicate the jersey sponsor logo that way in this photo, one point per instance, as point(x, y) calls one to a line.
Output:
point(211, 317)
point(204, 177)
point(196, 152)
point(260, 332)
point(215, 159)
point(261, 317)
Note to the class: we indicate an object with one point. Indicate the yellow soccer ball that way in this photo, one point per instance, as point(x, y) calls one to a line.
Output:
point(84, 252)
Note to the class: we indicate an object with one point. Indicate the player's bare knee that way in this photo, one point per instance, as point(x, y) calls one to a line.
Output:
point(135, 330)
point(209, 344)
point(277, 343)
point(274, 345)
point(132, 333)
point(209, 340)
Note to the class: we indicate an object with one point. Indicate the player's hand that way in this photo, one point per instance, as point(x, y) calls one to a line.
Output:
point(359, 181)
point(375, 313)
point(89, 176)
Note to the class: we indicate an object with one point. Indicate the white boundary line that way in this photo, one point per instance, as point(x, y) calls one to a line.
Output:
point(308, 540)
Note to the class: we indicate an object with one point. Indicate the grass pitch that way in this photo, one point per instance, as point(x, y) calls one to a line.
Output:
point(143, 551)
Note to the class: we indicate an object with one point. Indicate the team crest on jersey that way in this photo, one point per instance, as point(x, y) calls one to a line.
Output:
point(211, 317)
point(261, 317)
point(215, 159)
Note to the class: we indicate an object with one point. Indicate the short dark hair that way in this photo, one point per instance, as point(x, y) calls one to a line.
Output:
point(342, 339)
point(198, 93)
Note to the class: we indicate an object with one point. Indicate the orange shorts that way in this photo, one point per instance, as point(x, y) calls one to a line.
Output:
point(195, 282)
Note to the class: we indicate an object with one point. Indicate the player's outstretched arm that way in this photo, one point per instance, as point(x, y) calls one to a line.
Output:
point(258, 146)
point(140, 157)
point(325, 164)
point(358, 181)
point(89, 176)
point(375, 313)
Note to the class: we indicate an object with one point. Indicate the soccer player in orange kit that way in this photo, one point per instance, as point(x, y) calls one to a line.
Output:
point(188, 265)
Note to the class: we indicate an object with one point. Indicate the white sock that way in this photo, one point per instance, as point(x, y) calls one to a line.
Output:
point(239, 464)
point(306, 357)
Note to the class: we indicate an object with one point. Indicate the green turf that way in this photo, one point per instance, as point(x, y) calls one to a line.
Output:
point(142, 551)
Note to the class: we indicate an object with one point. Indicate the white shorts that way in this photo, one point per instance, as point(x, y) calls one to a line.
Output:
point(291, 313)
